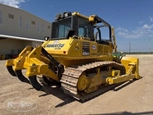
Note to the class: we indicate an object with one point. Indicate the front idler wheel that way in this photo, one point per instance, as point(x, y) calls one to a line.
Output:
point(10, 70)
point(35, 83)
point(21, 76)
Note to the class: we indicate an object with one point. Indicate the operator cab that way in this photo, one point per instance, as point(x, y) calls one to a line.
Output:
point(70, 24)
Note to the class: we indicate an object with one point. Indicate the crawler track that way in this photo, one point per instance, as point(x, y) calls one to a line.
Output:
point(71, 76)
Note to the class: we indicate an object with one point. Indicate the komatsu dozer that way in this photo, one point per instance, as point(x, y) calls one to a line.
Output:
point(77, 56)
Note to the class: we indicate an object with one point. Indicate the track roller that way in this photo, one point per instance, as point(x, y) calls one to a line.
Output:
point(21, 76)
point(35, 83)
point(10, 70)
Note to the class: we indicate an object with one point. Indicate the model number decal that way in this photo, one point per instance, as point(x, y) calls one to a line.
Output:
point(85, 48)
point(56, 46)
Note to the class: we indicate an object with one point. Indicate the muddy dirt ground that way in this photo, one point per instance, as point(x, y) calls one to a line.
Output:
point(17, 98)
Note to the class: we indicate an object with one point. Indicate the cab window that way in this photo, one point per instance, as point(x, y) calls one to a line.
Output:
point(84, 28)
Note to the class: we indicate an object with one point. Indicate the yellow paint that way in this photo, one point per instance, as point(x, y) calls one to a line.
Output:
point(70, 52)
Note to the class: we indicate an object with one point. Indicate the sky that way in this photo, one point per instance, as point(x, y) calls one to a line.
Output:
point(132, 19)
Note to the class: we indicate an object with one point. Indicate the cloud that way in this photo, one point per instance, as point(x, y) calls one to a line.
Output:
point(144, 31)
point(140, 22)
point(13, 3)
point(151, 18)
point(146, 26)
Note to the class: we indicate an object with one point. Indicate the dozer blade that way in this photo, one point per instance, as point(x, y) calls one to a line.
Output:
point(21, 76)
point(10, 70)
point(36, 85)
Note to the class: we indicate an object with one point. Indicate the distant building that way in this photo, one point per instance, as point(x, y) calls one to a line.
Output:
point(17, 26)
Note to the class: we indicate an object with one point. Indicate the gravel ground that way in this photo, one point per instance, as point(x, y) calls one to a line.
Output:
point(19, 98)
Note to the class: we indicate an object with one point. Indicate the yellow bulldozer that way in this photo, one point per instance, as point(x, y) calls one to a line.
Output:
point(76, 57)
